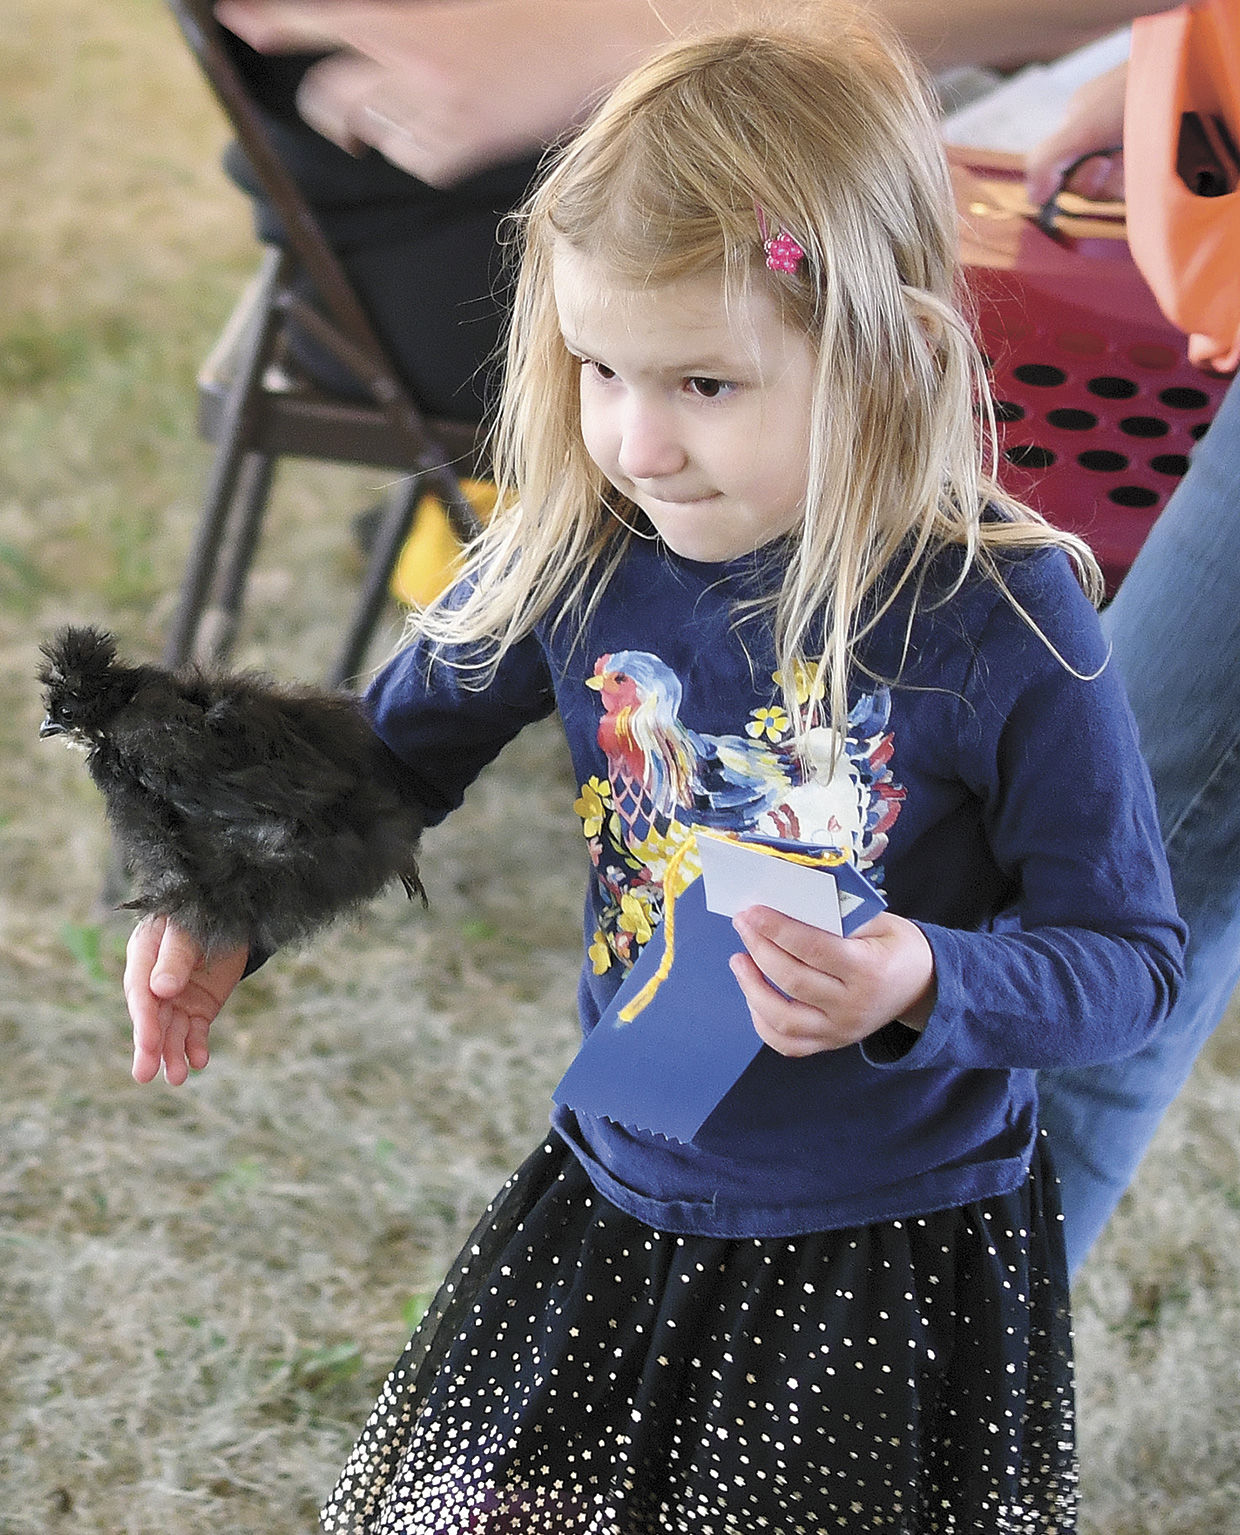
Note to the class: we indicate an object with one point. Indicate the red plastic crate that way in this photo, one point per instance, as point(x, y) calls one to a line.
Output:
point(1097, 402)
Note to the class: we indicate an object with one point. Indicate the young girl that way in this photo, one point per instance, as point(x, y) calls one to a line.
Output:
point(749, 549)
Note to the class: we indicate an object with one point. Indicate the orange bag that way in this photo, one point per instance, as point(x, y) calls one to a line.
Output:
point(1182, 171)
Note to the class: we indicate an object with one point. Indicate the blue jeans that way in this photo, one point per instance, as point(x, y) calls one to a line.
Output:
point(1175, 629)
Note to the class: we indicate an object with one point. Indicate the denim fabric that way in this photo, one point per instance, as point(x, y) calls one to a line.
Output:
point(1175, 628)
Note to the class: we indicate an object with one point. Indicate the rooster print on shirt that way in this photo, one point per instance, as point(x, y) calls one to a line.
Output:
point(664, 778)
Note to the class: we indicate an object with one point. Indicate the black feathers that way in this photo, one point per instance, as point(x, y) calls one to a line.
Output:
point(248, 811)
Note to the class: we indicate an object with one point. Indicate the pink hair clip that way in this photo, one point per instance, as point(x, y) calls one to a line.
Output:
point(783, 252)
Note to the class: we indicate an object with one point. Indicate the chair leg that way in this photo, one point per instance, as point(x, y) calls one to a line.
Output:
point(389, 541)
point(465, 521)
point(218, 624)
point(226, 467)
point(204, 556)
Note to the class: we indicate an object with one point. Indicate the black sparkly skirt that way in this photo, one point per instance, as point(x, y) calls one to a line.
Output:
point(582, 1374)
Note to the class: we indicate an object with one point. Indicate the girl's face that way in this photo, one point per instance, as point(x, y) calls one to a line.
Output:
point(700, 415)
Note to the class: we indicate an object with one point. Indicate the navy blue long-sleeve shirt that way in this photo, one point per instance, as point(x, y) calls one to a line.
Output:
point(994, 794)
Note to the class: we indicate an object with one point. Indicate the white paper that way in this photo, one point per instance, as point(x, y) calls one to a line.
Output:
point(1030, 104)
point(737, 876)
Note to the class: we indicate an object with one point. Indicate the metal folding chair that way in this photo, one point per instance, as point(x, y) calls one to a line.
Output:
point(257, 409)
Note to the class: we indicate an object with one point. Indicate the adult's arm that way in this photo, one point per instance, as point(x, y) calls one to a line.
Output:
point(1006, 32)
point(444, 88)
point(1093, 119)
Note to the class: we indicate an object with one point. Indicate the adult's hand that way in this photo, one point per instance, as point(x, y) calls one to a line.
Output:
point(1093, 119)
point(444, 88)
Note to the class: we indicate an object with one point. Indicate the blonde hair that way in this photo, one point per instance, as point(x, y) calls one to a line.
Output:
point(835, 138)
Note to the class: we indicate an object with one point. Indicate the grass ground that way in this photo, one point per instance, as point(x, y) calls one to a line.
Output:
point(201, 1290)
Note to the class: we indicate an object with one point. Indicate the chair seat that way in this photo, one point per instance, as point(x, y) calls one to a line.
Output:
point(292, 417)
point(293, 425)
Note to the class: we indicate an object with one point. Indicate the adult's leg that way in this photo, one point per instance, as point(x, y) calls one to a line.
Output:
point(1175, 629)
point(426, 262)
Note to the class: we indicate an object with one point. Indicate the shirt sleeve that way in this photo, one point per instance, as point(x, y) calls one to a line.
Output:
point(1086, 961)
point(446, 714)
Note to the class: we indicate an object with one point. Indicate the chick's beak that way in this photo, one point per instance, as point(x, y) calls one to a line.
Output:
point(49, 727)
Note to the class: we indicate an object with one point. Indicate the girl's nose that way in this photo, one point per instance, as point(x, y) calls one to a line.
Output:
point(650, 447)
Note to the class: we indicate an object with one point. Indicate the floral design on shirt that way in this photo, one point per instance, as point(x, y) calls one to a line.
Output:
point(664, 777)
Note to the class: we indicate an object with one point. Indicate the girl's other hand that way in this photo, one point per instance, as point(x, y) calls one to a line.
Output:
point(810, 991)
point(174, 992)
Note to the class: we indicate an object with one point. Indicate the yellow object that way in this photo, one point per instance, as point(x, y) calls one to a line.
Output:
point(646, 994)
point(431, 556)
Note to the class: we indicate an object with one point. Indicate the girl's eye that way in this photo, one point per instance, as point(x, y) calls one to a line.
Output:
point(600, 369)
point(707, 388)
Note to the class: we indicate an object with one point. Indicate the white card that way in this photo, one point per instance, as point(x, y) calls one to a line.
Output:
point(737, 876)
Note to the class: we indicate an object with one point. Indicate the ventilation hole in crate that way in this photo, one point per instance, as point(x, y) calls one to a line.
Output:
point(1040, 374)
point(1107, 386)
point(1009, 410)
point(1133, 495)
point(1103, 460)
point(1073, 420)
point(1199, 431)
point(1144, 426)
point(1181, 397)
point(1170, 463)
point(1029, 455)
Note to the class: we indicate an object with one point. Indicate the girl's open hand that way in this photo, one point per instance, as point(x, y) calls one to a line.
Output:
point(173, 992)
point(835, 991)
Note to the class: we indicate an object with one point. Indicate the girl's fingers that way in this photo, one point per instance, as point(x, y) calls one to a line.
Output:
point(179, 956)
point(148, 1039)
point(169, 1029)
point(788, 1027)
point(174, 991)
point(333, 94)
point(808, 989)
point(176, 1064)
point(197, 1051)
point(146, 1010)
point(799, 960)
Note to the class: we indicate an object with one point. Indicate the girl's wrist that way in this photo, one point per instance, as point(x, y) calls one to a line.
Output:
point(917, 1015)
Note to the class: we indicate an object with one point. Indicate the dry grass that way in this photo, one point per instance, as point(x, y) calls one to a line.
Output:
point(201, 1289)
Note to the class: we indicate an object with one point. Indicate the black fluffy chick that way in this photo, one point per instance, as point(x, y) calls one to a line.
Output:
point(248, 811)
